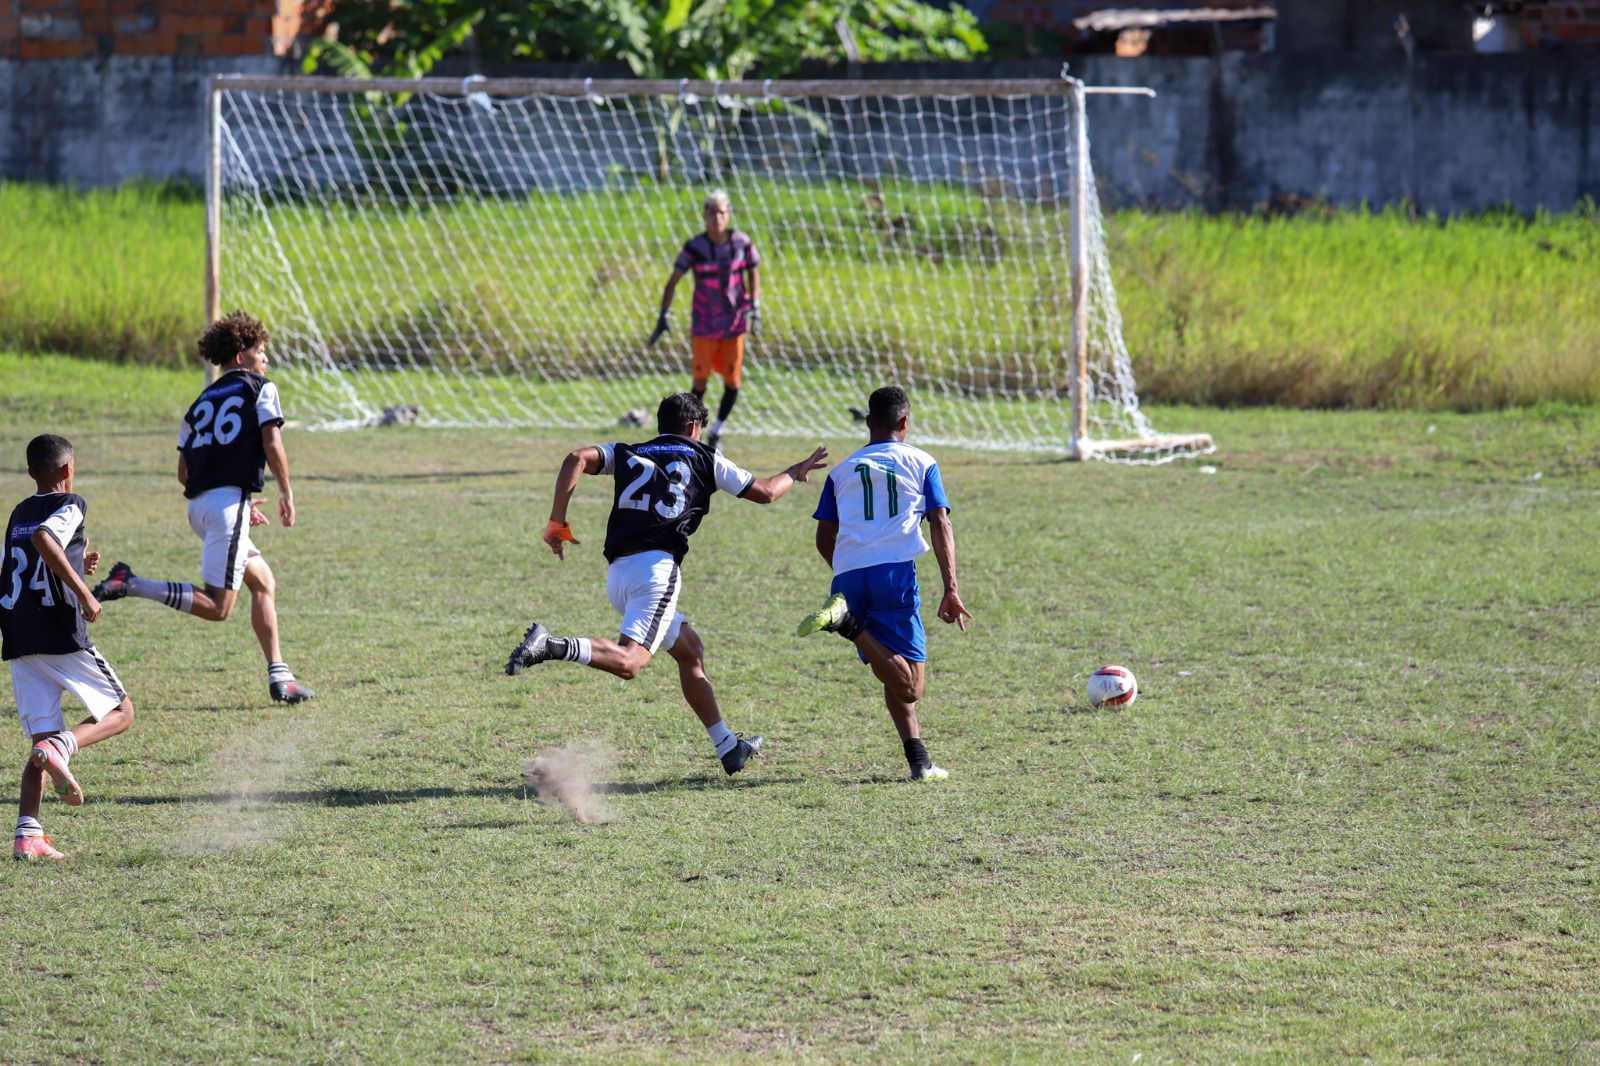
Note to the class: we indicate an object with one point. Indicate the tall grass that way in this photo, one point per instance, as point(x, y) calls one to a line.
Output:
point(1334, 309)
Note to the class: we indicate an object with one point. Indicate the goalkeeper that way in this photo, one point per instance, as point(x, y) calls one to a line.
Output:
point(727, 291)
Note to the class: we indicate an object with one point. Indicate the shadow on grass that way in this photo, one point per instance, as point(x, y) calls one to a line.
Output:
point(381, 797)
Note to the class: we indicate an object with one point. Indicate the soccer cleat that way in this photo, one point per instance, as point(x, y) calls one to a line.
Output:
point(930, 773)
point(290, 691)
point(714, 442)
point(31, 848)
point(734, 761)
point(828, 618)
point(535, 648)
point(47, 757)
point(115, 586)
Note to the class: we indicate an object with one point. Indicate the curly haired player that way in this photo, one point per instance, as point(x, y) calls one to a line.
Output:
point(232, 431)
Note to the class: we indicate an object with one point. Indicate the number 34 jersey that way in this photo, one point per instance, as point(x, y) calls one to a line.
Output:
point(663, 489)
point(39, 614)
point(221, 435)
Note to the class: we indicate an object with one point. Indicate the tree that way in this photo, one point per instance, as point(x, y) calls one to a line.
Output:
point(713, 40)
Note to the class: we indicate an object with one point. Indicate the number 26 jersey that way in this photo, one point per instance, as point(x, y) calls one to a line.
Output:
point(221, 435)
point(663, 490)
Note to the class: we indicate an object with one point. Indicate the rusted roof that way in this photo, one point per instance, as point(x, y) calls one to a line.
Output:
point(1114, 19)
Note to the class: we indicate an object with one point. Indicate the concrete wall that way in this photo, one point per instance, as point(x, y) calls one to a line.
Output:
point(1450, 132)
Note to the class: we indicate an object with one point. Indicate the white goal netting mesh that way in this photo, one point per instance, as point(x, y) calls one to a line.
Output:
point(476, 258)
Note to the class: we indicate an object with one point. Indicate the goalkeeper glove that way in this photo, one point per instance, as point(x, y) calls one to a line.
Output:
point(663, 324)
point(753, 318)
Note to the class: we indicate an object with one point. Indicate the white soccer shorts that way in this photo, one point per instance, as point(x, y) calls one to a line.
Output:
point(38, 682)
point(644, 590)
point(221, 519)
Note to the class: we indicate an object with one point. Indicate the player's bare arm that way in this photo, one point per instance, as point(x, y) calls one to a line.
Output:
point(55, 557)
point(278, 463)
point(767, 489)
point(579, 461)
point(943, 535)
point(827, 537)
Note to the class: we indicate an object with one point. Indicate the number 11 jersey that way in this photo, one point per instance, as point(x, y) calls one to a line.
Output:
point(663, 489)
point(221, 435)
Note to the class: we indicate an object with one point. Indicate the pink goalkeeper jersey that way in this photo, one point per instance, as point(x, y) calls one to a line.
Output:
point(720, 296)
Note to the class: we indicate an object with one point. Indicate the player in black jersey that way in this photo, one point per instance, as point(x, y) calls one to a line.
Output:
point(663, 488)
point(44, 605)
point(232, 431)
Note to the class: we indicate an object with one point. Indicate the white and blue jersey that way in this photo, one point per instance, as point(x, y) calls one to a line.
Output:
point(878, 497)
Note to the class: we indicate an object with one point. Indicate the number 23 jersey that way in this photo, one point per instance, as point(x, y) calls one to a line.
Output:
point(663, 490)
point(221, 435)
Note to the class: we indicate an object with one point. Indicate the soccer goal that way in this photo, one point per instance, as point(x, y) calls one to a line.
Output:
point(492, 252)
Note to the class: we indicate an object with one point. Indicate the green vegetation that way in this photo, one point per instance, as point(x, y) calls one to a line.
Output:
point(718, 40)
point(1338, 309)
point(1351, 816)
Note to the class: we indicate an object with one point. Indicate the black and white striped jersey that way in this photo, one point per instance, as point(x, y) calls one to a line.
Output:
point(221, 435)
point(663, 490)
point(39, 614)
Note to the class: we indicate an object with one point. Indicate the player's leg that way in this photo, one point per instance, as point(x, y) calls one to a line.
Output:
point(689, 651)
point(86, 675)
point(37, 687)
point(644, 590)
point(263, 585)
point(39, 708)
point(729, 364)
point(221, 519)
point(29, 842)
point(703, 353)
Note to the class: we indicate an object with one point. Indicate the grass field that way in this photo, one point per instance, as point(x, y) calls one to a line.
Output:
point(1322, 309)
point(1353, 814)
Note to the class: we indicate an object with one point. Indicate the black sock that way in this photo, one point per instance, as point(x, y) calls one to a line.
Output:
point(730, 396)
point(917, 755)
point(699, 394)
point(849, 627)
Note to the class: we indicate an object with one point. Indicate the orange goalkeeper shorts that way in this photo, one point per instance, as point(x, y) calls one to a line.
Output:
point(724, 356)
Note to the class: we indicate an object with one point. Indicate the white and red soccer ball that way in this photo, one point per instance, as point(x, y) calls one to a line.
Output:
point(1113, 686)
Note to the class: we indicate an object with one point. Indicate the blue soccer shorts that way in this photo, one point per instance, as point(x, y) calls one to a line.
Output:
point(886, 599)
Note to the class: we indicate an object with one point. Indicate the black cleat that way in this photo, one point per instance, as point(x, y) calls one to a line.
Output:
point(734, 761)
point(290, 691)
point(535, 648)
point(714, 442)
point(115, 586)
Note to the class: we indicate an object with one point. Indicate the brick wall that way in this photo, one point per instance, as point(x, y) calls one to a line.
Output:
point(1562, 24)
point(87, 29)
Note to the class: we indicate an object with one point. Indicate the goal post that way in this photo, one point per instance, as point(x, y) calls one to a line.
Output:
point(493, 251)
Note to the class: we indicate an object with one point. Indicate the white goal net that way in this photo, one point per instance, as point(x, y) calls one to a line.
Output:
point(492, 253)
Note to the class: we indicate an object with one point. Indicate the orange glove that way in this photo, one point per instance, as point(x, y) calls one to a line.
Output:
point(556, 532)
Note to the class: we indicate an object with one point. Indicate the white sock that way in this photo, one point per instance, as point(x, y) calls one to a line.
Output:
point(722, 737)
point(716, 427)
point(28, 826)
point(179, 595)
point(582, 648)
point(65, 743)
point(279, 672)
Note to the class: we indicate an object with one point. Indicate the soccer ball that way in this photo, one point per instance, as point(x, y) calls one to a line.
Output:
point(1112, 686)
